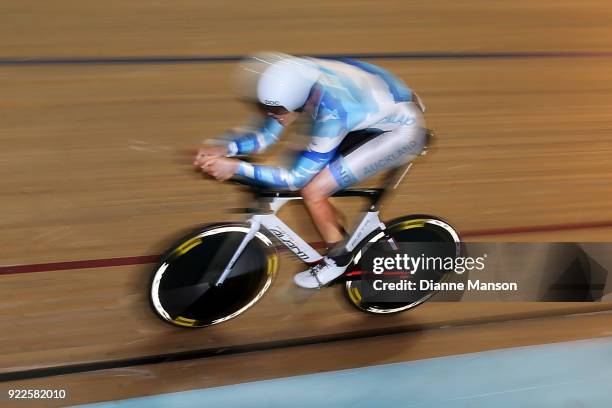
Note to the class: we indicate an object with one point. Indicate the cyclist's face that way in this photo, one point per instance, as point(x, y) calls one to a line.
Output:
point(282, 115)
point(285, 119)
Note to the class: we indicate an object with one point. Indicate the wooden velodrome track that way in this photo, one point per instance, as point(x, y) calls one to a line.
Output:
point(94, 171)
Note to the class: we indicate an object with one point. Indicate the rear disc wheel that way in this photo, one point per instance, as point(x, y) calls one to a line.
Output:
point(410, 229)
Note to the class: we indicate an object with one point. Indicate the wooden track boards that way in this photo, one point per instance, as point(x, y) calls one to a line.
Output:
point(94, 167)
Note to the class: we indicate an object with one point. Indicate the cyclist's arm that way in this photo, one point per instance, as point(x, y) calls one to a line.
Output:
point(326, 138)
point(255, 139)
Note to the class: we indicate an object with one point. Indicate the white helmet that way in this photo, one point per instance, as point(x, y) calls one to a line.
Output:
point(278, 79)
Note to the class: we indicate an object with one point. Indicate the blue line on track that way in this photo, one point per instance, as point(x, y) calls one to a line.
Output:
point(216, 59)
point(569, 374)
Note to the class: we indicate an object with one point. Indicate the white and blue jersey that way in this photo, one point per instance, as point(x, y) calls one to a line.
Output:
point(349, 96)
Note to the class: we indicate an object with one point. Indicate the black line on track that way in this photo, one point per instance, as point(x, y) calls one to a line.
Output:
point(279, 344)
point(215, 59)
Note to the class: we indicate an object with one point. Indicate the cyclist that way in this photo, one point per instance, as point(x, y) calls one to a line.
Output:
point(362, 120)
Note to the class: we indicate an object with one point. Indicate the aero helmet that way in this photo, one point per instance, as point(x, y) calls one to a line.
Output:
point(278, 80)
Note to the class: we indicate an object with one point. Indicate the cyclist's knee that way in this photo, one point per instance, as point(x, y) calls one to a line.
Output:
point(313, 192)
point(321, 187)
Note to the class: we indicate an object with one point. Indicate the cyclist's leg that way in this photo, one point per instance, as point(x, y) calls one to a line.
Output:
point(325, 216)
point(388, 150)
point(399, 143)
point(395, 146)
point(391, 149)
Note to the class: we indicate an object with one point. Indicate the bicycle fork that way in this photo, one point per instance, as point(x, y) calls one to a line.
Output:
point(255, 226)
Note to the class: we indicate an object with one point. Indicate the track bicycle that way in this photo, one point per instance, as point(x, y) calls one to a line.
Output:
point(219, 271)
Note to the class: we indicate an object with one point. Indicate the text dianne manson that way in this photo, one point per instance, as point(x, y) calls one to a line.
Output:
point(445, 286)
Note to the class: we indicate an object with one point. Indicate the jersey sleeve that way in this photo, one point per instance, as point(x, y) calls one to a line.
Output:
point(327, 132)
point(255, 139)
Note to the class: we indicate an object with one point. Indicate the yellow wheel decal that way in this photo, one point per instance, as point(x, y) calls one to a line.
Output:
point(417, 223)
point(272, 264)
point(183, 321)
point(355, 295)
point(187, 246)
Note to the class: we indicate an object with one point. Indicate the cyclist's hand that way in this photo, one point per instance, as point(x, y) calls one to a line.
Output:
point(208, 152)
point(220, 168)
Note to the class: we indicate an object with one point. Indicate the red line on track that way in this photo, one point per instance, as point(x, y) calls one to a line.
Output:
point(388, 273)
point(84, 264)
point(147, 259)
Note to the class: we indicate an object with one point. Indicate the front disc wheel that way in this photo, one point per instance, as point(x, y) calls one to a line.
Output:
point(185, 289)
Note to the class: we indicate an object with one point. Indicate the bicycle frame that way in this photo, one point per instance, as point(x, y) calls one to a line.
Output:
point(302, 249)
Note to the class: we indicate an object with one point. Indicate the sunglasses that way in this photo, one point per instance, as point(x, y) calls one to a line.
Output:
point(275, 110)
